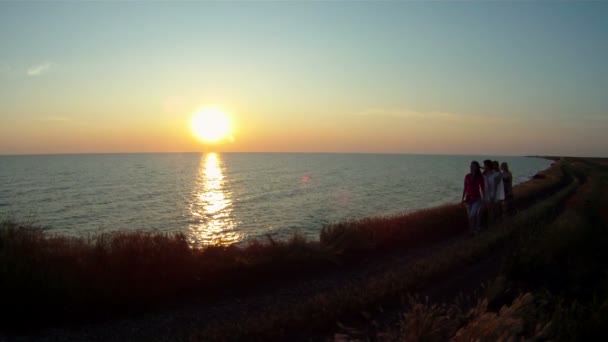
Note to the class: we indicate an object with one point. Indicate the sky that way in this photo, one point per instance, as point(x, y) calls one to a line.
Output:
point(498, 78)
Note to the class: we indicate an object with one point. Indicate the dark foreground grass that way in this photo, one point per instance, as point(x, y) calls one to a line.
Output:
point(48, 280)
point(53, 279)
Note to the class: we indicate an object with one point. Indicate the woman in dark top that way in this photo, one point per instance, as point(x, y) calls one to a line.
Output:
point(472, 195)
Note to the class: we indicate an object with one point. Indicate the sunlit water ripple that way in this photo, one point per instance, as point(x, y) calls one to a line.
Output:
point(227, 198)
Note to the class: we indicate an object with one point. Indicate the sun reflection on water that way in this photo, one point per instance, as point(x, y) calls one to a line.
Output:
point(211, 208)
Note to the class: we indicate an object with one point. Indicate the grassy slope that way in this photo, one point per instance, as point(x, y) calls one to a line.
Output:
point(553, 286)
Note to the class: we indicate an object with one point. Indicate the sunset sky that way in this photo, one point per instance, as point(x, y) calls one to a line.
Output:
point(467, 77)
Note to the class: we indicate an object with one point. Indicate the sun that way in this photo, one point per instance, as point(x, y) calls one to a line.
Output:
point(210, 124)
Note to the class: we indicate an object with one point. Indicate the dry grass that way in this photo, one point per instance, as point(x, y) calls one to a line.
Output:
point(52, 278)
point(400, 231)
point(534, 190)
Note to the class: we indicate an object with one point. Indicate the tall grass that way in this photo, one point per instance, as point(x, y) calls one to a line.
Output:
point(371, 234)
point(532, 191)
point(49, 279)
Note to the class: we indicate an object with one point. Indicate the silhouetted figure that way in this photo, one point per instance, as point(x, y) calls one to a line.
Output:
point(472, 196)
point(507, 181)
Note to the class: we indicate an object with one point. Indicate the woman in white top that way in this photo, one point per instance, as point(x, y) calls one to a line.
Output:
point(500, 189)
point(491, 179)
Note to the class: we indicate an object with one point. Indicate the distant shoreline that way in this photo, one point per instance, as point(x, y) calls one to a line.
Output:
point(287, 152)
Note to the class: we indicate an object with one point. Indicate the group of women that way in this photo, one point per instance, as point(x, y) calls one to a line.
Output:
point(489, 188)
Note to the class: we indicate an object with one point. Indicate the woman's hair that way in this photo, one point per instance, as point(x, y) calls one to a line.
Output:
point(495, 165)
point(478, 173)
point(505, 166)
point(487, 165)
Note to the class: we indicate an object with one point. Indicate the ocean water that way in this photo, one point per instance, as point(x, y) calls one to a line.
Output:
point(231, 197)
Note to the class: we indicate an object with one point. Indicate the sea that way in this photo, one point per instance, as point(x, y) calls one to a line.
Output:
point(228, 198)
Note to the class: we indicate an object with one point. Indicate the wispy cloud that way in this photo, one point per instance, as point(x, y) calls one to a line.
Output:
point(405, 113)
point(595, 118)
point(37, 70)
point(56, 119)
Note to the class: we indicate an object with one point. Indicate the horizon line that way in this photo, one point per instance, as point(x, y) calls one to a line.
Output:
point(279, 152)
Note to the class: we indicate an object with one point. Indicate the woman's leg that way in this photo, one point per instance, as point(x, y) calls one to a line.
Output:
point(499, 210)
point(476, 216)
point(470, 215)
point(477, 224)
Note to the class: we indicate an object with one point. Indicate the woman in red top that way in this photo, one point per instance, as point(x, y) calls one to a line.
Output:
point(472, 195)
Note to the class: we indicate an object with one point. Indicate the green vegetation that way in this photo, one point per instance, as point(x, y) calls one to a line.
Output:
point(49, 280)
